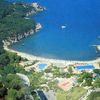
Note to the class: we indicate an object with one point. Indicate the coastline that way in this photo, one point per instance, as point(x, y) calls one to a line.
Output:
point(32, 57)
point(65, 62)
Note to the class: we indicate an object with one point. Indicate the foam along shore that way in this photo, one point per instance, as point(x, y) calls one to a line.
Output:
point(98, 47)
point(64, 62)
point(37, 6)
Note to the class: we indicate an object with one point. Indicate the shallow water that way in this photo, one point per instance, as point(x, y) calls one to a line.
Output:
point(82, 21)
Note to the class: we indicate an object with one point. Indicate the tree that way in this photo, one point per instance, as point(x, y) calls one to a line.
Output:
point(87, 77)
point(70, 69)
point(88, 81)
point(96, 83)
point(12, 94)
point(48, 70)
point(66, 75)
point(7, 69)
point(14, 57)
point(3, 92)
point(97, 71)
point(94, 96)
point(14, 81)
point(4, 59)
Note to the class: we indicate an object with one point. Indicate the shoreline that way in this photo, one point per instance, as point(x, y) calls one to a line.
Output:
point(50, 60)
point(65, 62)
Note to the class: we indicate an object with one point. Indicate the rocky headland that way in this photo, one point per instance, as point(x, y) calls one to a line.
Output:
point(15, 38)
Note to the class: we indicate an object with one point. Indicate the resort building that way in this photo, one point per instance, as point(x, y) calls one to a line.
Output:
point(83, 68)
point(48, 75)
point(67, 84)
point(29, 65)
point(29, 68)
point(26, 63)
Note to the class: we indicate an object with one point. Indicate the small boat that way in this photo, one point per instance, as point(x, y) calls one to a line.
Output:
point(99, 37)
point(63, 26)
point(44, 8)
point(23, 44)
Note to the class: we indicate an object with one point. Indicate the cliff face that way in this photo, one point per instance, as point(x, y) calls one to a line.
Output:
point(30, 13)
point(18, 37)
point(36, 7)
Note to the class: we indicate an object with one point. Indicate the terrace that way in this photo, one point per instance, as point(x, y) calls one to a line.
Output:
point(67, 84)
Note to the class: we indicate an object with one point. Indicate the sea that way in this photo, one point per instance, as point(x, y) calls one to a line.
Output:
point(70, 29)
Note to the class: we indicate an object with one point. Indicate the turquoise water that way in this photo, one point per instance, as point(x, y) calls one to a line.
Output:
point(82, 21)
point(41, 66)
point(85, 67)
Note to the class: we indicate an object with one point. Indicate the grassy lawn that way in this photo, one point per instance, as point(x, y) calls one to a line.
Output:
point(94, 96)
point(61, 95)
point(74, 94)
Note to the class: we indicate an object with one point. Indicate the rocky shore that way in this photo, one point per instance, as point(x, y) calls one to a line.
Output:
point(14, 39)
point(10, 40)
point(98, 48)
point(37, 7)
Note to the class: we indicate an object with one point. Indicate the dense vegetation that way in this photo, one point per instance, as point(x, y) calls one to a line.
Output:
point(94, 96)
point(5, 9)
point(13, 22)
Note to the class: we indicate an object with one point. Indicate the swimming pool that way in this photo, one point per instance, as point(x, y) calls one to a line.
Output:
point(83, 67)
point(41, 66)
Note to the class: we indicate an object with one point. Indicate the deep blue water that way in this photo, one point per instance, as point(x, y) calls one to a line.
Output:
point(82, 18)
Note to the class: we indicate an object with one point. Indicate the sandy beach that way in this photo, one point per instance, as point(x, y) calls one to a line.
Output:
point(65, 62)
